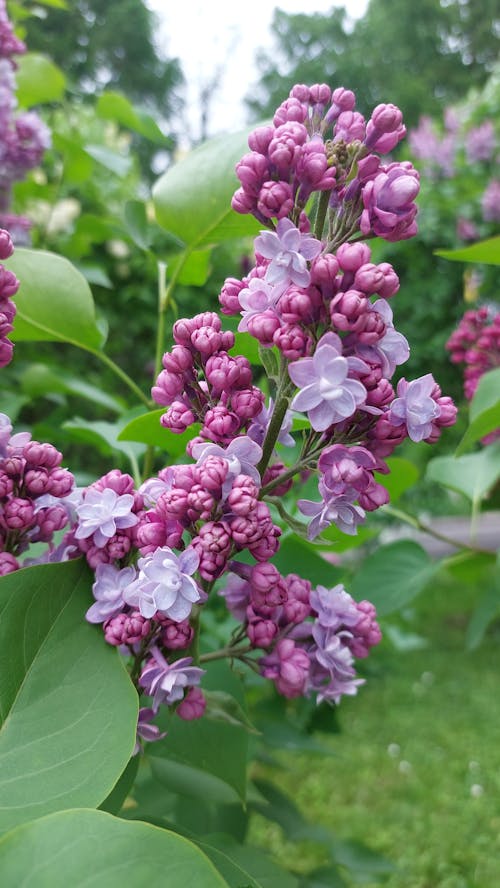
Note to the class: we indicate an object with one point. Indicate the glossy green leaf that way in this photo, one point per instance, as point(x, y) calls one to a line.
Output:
point(224, 862)
point(38, 80)
point(146, 429)
point(487, 251)
point(38, 379)
point(67, 705)
point(264, 871)
point(114, 801)
point(473, 475)
point(119, 164)
point(103, 436)
point(298, 556)
point(393, 575)
point(194, 267)
point(202, 216)
point(54, 301)
point(115, 106)
point(81, 847)
point(484, 410)
point(403, 475)
point(138, 225)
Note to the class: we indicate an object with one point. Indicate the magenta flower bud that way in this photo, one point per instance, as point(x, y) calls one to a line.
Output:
point(313, 170)
point(243, 496)
point(120, 482)
point(385, 129)
point(168, 387)
point(381, 395)
point(13, 466)
point(222, 373)
point(295, 307)
point(38, 455)
point(244, 380)
point(297, 608)
point(178, 418)
point(342, 100)
point(247, 403)
point(176, 636)
point(49, 521)
point(293, 341)
point(369, 278)
point(6, 485)
point(263, 326)
point(151, 535)
point(18, 514)
point(324, 270)
point(174, 503)
point(228, 296)
point(366, 633)
point(290, 110)
point(390, 284)
point(288, 666)
point(389, 211)
point(252, 170)
point(267, 586)
point(193, 706)
point(8, 564)
point(220, 425)
point(352, 256)
point(36, 481)
point(267, 546)
point(242, 202)
point(260, 138)
point(126, 628)
point(119, 546)
point(301, 92)
point(348, 311)
point(211, 474)
point(245, 530)
point(261, 632)
point(179, 360)
point(184, 476)
point(350, 127)
point(206, 340)
point(275, 199)
point(320, 94)
point(374, 496)
point(61, 482)
point(9, 284)
point(199, 503)
point(6, 245)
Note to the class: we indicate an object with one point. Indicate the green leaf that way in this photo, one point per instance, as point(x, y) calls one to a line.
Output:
point(119, 164)
point(194, 267)
point(54, 301)
point(67, 705)
point(103, 436)
point(38, 379)
point(223, 707)
point(264, 871)
point(79, 847)
point(296, 555)
point(233, 872)
point(473, 475)
point(270, 360)
point(403, 475)
point(393, 575)
point(114, 801)
point(486, 611)
point(248, 346)
point(38, 80)
point(487, 251)
point(115, 106)
point(193, 198)
point(146, 429)
point(138, 224)
point(484, 411)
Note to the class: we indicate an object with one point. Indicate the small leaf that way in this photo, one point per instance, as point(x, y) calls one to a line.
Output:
point(484, 411)
point(487, 251)
point(38, 379)
point(393, 576)
point(138, 224)
point(102, 435)
point(270, 361)
point(78, 846)
point(194, 267)
point(116, 163)
point(54, 301)
point(473, 475)
point(38, 80)
point(115, 106)
point(222, 706)
point(146, 429)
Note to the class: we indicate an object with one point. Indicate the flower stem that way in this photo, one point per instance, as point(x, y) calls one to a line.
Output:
point(321, 212)
point(285, 388)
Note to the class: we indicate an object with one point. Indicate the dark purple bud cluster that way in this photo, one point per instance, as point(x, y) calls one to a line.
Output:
point(9, 286)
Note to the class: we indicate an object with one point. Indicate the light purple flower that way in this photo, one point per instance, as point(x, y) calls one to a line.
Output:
point(331, 652)
point(259, 296)
point(102, 513)
point(108, 590)
point(289, 251)
point(415, 407)
point(167, 682)
point(145, 730)
point(7, 440)
point(241, 455)
point(258, 429)
point(334, 607)
point(328, 394)
point(165, 584)
point(339, 510)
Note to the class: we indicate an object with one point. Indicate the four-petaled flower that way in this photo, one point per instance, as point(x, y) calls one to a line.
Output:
point(102, 513)
point(109, 586)
point(415, 407)
point(289, 251)
point(167, 682)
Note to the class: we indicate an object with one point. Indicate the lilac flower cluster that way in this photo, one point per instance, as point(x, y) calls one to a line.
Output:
point(24, 136)
point(476, 343)
point(323, 305)
point(9, 286)
point(33, 496)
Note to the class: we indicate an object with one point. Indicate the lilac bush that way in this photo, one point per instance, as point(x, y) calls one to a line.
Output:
point(316, 181)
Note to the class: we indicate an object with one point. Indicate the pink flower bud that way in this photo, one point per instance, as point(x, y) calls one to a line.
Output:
point(193, 706)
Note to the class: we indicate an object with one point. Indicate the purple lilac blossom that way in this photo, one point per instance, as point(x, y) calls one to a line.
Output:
point(327, 393)
point(145, 730)
point(108, 590)
point(338, 510)
point(392, 349)
point(241, 455)
point(167, 682)
point(415, 407)
point(259, 296)
point(258, 429)
point(334, 607)
point(165, 584)
point(102, 513)
point(289, 251)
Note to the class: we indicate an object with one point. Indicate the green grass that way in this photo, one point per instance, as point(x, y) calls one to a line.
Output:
point(416, 774)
